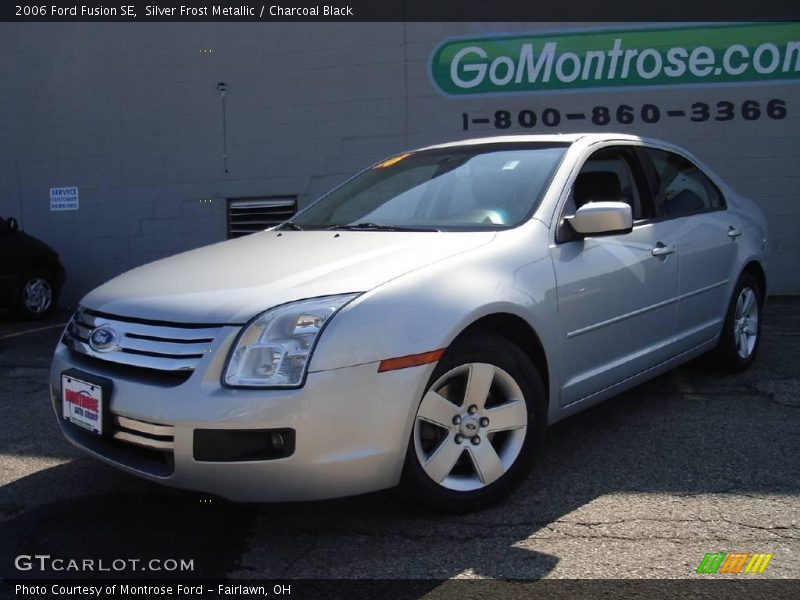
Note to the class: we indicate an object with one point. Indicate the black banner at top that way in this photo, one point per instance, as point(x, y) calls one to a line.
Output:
point(398, 10)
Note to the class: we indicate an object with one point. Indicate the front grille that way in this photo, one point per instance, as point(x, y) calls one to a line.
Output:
point(143, 446)
point(153, 345)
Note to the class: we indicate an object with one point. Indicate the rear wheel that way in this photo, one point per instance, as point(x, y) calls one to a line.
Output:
point(478, 427)
point(741, 333)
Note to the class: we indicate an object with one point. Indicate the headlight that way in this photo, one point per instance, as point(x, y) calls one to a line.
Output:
point(275, 348)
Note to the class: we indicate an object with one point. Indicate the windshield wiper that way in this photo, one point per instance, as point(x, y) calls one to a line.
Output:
point(290, 225)
point(367, 226)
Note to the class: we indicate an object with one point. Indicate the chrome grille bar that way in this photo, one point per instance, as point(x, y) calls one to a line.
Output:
point(165, 348)
point(136, 360)
point(177, 331)
point(131, 438)
point(141, 433)
point(144, 427)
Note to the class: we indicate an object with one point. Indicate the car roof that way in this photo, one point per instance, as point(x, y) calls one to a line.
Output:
point(568, 138)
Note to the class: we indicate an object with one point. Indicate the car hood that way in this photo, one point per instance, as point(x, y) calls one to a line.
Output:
point(233, 281)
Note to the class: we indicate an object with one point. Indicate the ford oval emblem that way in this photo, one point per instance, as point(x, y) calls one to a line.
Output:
point(103, 339)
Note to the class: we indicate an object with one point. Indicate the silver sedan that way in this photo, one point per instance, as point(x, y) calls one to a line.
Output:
point(420, 325)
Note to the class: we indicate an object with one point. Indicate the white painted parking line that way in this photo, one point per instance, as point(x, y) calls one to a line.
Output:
point(27, 331)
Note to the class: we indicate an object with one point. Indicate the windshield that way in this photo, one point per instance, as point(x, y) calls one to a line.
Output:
point(491, 186)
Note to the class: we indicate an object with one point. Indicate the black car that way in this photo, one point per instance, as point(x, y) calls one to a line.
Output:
point(31, 276)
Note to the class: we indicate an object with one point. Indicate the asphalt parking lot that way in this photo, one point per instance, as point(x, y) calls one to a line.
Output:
point(641, 486)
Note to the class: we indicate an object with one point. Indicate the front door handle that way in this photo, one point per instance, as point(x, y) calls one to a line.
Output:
point(661, 249)
point(733, 233)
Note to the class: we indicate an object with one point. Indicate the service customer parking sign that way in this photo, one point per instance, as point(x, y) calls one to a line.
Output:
point(64, 198)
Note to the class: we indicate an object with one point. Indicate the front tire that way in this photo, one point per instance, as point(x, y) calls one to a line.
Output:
point(37, 296)
point(741, 333)
point(478, 428)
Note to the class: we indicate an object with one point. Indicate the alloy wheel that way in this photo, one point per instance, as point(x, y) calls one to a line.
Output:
point(37, 295)
point(745, 324)
point(470, 426)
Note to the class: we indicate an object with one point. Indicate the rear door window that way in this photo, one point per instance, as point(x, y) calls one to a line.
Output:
point(681, 187)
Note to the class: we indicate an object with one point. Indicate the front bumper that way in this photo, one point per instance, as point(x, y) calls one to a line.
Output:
point(351, 427)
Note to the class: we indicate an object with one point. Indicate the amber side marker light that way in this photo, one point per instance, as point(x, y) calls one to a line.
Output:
point(412, 360)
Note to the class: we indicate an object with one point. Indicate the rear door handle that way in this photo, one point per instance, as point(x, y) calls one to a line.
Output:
point(733, 233)
point(661, 249)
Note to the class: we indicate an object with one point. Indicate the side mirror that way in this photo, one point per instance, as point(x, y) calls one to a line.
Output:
point(602, 218)
point(12, 224)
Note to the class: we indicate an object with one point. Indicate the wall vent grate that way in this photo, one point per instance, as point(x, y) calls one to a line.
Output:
point(251, 215)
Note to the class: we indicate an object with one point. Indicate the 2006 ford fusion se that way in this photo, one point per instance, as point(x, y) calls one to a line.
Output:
point(419, 325)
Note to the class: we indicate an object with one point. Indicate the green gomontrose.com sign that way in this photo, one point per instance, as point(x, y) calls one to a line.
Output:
point(622, 58)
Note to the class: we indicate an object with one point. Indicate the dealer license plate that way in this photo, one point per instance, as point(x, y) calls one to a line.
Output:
point(82, 403)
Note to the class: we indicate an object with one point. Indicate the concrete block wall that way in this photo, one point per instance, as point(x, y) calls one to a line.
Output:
point(131, 114)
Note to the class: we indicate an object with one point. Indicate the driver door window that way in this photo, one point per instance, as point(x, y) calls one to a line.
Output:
point(608, 176)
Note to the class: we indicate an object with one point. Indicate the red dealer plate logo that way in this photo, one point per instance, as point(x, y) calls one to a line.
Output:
point(82, 403)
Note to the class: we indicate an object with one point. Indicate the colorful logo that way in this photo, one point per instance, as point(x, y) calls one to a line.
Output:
point(734, 562)
point(82, 399)
point(102, 339)
point(596, 59)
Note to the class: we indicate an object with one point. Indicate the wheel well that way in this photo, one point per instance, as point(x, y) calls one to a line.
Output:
point(756, 270)
point(518, 331)
point(40, 266)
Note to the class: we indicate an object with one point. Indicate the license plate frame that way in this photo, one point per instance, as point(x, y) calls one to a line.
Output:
point(85, 400)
